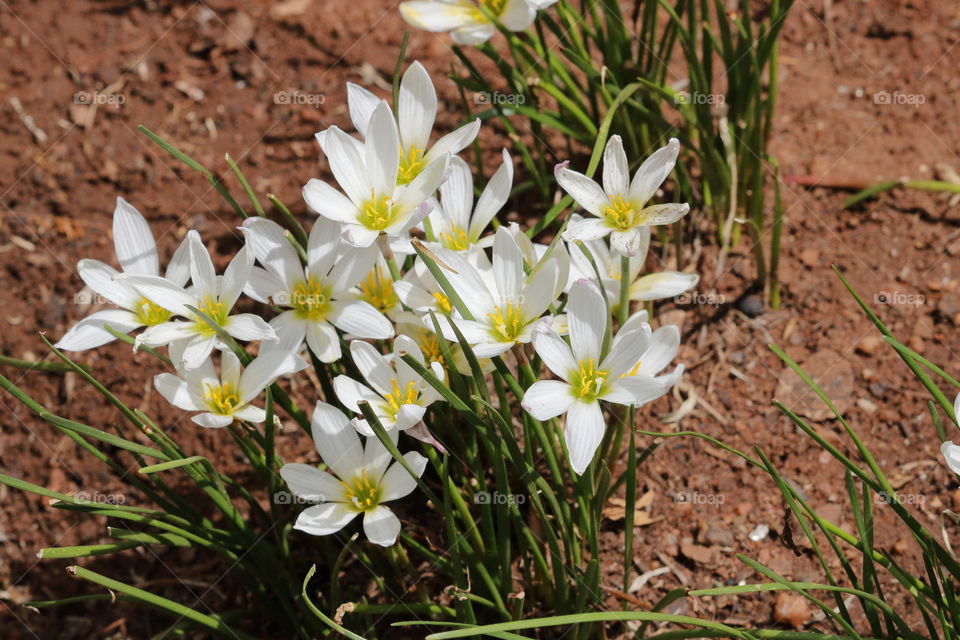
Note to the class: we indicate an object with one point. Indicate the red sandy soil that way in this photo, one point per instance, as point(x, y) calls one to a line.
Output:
point(206, 75)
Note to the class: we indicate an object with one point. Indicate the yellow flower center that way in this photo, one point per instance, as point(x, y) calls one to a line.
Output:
point(377, 213)
point(507, 322)
point(377, 289)
point(213, 309)
point(150, 314)
point(443, 302)
point(310, 299)
point(587, 382)
point(222, 399)
point(362, 493)
point(619, 214)
point(396, 398)
point(430, 347)
point(411, 164)
point(456, 239)
point(496, 7)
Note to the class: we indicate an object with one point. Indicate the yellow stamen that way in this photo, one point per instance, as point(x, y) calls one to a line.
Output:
point(496, 7)
point(396, 398)
point(430, 347)
point(456, 239)
point(377, 289)
point(150, 314)
point(507, 322)
point(362, 493)
point(588, 382)
point(377, 213)
point(213, 309)
point(222, 399)
point(411, 164)
point(443, 302)
point(311, 299)
point(633, 371)
point(619, 214)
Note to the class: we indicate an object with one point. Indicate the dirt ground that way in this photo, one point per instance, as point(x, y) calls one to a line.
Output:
point(868, 92)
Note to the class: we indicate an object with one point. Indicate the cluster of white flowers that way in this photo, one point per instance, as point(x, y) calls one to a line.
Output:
point(471, 22)
point(346, 287)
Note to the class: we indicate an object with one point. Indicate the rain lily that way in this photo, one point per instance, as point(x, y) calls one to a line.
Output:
point(318, 296)
point(396, 393)
point(465, 21)
point(419, 291)
point(950, 451)
point(377, 289)
point(623, 376)
point(621, 205)
point(210, 294)
point(226, 397)
point(416, 113)
point(653, 286)
point(137, 253)
point(369, 175)
point(505, 304)
point(454, 225)
point(362, 480)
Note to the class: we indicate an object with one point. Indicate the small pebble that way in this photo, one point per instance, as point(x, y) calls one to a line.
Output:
point(751, 305)
point(759, 533)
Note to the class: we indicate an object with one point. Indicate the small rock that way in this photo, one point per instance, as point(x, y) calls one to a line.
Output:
point(759, 533)
point(877, 389)
point(866, 405)
point(751, 305)
point(869, 344)
point(240, 30)
point(718, 536)
point(791, 609)
point(697, 553)
point(744, 508)
point(949, 306)
point(916, 342)
point(810, 257)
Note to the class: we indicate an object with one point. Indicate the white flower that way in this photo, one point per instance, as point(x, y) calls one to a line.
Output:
point(505, 303)
point(319, 295)
point(464, 20)
point(416, 113)
point(950, 451)
point(653, 286)
point(419, 291)
point(621, 205)
point(364, 480)
point(453, 224)
point(210, 294)
point(137, 253)
point(397, 394)
point(377, 289)
point(624, 376)
point(368, 173)
point(226, 398)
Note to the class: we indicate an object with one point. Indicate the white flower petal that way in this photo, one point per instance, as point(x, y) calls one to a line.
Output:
point(328, 202)
point(311, 484)
point(361, 319)
point(585, 230)
point(397, 481)
point(178, 269)
point(352, 268)
point(635, 390)
point(230, 369)
point(264, 371)
point(547, 399)
point(437, 16)
point(625, 351)
point(197, 351)
point(133, 240)
point(101, 278)
point(163, 334)
point(456, 196)
point(249, 327)
point(582, 189)
point(174, 390)
point(89, 332)
point(653, 172)
point(273, 250)
point(664, 344)
point(347, 164)
point(249, 413)
point(659, 214)
point(422, 187)
point(263, 286)
point(290, 329)
point(324, 519)
point(372, 366)
point(336, 440)
point(517, 15)
point(616, 174)
point(202, 273)
point(416, 108)
point(322, 247)
point(382, 150)
point(951, 453)
point(235, 277)
point(409, 415)
point(473, 34)
point(583, 430)
point(351, 393)
point(587, 319)
point(666, 284)
point(161, 292)
point(454, 142)
point(212, 420)
point(381, 526)
point(626, 243)
point(507, 265)
point(361, 104)
point(493, 197)
point(359, 236)
point(323, 341)
point(554, 352)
